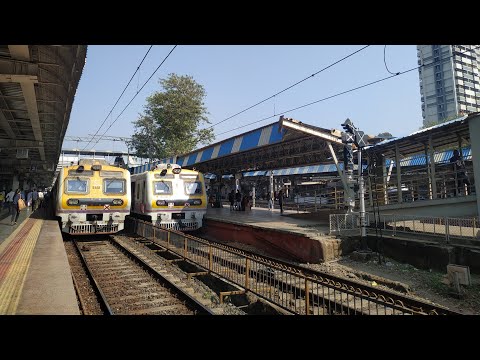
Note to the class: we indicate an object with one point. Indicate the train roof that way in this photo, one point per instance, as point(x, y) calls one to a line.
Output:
point(161, 167)
point(98, 166)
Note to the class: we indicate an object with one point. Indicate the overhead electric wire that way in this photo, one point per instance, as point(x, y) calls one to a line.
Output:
point(287, 88)
point(138, 68)
point(385, 61)
point(343, 92)
point(158, 67)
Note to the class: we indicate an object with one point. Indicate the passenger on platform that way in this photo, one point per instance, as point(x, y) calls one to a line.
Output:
point(29, 199)
point(460, 171)
point(46, 200)
point(238, 200)
point(2, 199)
point(34, 199)
point(280, 200)
point(243, 203)
point(40, 199)
point(16, 210)
point(9, 201)
point(231, 198)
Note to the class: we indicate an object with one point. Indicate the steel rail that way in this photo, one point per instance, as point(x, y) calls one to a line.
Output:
point(343, 286)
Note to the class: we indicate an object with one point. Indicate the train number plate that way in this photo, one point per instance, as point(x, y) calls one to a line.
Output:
point(178, 216)
point(83, 207)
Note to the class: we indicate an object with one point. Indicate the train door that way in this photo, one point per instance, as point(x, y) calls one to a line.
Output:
point(132, 188)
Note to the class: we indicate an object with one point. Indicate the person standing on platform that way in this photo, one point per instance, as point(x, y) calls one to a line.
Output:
point(231, 198)
point(238, 199)
point(9, 201)
point(29, 199)
point(34, 199)
point(280, 200)
point(40, 199)
point(16, 210)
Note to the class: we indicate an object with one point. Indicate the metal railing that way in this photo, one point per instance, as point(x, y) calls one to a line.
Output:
point(296, 289)
point(346, 223)
point(442, 229)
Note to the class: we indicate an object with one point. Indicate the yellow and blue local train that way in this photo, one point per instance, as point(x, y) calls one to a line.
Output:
point(170, 197)
point(92, 197)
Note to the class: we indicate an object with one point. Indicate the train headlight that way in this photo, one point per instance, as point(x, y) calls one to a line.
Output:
point(96, 167)
point(197, 202)
point(161, 203)
point(117, 202)
point(177, 170)
point(73, 202)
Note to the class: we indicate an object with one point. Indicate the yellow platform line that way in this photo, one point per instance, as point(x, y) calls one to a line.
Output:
point(12, 286)
point(9, 239)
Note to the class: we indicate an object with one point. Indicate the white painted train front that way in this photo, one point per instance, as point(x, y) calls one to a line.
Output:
point(170, 197)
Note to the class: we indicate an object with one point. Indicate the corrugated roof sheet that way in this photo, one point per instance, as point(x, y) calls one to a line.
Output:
point(262, 136)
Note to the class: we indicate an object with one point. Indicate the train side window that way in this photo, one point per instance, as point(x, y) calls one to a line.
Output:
point(162, 187)
point(138, 191)
point(143, 192)
point(76, 186)
point(193, 188)
point(114, 186)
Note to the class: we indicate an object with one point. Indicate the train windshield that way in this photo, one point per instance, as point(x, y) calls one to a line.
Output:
point(114, 186)
point(162, 187)
point(76, 185)
point(193, 188)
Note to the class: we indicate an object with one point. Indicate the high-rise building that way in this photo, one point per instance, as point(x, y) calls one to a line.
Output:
point(449, 81)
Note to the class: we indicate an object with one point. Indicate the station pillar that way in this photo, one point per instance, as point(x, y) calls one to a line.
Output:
point(474, 127)
point(15, 183)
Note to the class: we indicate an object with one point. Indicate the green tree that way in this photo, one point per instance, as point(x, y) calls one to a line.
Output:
point(385, 134)
point(170, 123)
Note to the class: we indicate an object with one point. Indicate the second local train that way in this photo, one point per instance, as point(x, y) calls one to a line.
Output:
point(170, 197)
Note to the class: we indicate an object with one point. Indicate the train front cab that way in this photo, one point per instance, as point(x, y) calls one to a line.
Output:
point(170, 197)
point(92, 199)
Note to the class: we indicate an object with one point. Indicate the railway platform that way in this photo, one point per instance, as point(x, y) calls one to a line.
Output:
point(293, 236)
point(35, 277)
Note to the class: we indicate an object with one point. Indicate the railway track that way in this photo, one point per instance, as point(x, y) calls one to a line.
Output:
point(296, 289)
point(127, 285)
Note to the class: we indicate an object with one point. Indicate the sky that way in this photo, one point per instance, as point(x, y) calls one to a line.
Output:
point(238, 76)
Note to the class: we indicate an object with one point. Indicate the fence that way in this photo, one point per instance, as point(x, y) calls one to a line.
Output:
point(442, 229)
point(295, 289)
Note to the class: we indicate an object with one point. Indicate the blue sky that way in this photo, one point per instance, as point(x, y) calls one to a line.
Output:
point(238, 76)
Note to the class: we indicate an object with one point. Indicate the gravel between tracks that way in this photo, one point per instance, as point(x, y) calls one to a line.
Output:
point(91, 304)
point(198, 286)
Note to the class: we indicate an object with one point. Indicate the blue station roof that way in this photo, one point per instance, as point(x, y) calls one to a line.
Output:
point(266, 135)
